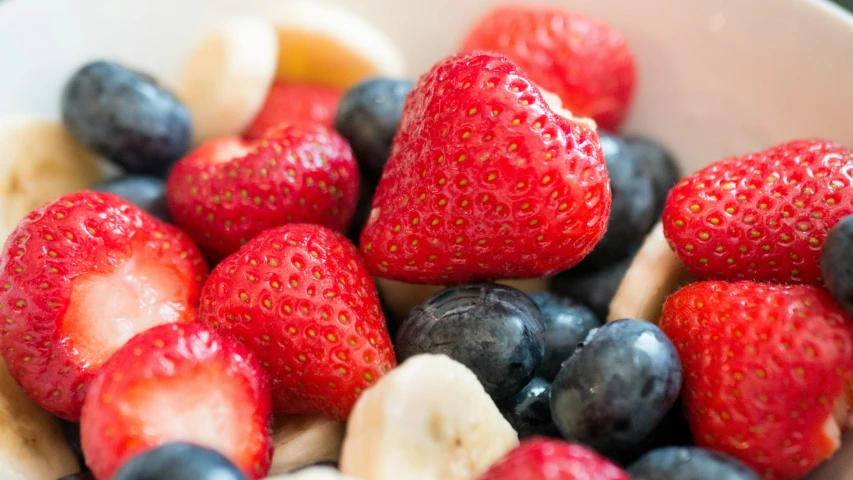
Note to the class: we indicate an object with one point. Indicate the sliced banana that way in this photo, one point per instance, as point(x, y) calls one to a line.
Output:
point(31, 443)
point(39, 161)
point(226, 78)
point(429, 419)
point(314, 473)
point(303, 440)
point(654, 274)
point(325, 43)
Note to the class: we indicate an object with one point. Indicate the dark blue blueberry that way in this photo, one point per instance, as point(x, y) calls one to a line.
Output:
point(567, 323)
point(689, 463)
point(79, 476)
point(179, 461)
point(325, 463)
point(71, 433)
point(147, 193)
point(836, 262)
point(494, 330)
point(126, 117)
point(592, 287)
point(632, 211)
point(615, 389)
point(529, 412)
point(368, 116)
point(658, 164)
point(673, 430)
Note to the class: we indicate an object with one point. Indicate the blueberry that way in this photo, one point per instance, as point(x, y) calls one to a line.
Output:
point(592, 287)
point(529, 412)
point(567, 323)
point(126, 117)
point(71, 434)
point(616, 387)
point(494, 330)
point(658, 164)
point(179, 461)
point(689, 463)
point(632, 211)
point(368, 116)
point(147, 193)
point(673, 430)
point(325, 463)
point(79, 476)
point(836, 262)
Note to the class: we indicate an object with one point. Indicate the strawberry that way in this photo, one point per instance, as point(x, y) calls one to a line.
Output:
point(538, 458)
point(485, 181)
point(295, 103)
point(176, 383)
point(78, 278)
point(762, 216)
point(585, 62)
point(230, 190)
point(300, 297)
point(767, 371)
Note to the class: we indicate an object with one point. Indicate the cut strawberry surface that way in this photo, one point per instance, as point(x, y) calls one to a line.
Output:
point(179, 383)
point(81, 276)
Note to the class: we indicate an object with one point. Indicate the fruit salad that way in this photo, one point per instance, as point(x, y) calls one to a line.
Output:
point(295, 262)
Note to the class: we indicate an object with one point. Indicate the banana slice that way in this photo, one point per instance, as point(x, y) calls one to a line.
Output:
point(429, 419)
point(39, 161)
point(303, 440)
point(226, 77)
point(314, 473)
point(31, 443)
point(324, 43)
point(655, 273)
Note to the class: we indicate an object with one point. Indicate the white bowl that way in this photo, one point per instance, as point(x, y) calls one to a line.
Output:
point(717, 77)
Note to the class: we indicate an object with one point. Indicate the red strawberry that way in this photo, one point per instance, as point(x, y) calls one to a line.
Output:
point(585, 62)
point(297, 104)
point(78, 278)
point(762, 216)
point(485, 181)
point(300, 297)
point(230, 190)
point(766, 370)
point(179, 383)
point(547, 459)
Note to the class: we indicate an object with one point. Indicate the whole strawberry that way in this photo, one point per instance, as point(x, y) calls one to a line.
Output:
point(301, 299)
point(585, 62)
point(766, 371)
point(297, 104)
point(485, 181)
point(762, 216)
point(78, 278)
point(179, 383)
point(229, 190)
point(539, 458)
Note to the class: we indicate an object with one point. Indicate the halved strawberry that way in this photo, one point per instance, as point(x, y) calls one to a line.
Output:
point(229, 190)
point(78, 278)
point(296, 104)
point(179, 383)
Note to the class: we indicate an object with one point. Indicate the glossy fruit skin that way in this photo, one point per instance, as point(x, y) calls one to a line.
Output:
point(485, 182)
point(229, 190)
point(167, 353)
point(147, 193)
point(300, 298)
point(657, 162)
point(762, 216)
point(616, 387)
point(368, 116)
point(592, 287)
point(179, 461)
point(763, 366)
point(492, 329)
point(295, 104)
point(672, 431)
point(77, 234)
point(567, 324)
point(689, 463)
point(836, 263)
point(632, 210)
point(529, 412)
point(126, 117)
point(547, 459)
point(585, 62)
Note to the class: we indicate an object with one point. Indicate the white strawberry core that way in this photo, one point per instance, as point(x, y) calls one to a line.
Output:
point(106, 310)
point(555, 103)
point(200, 406)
